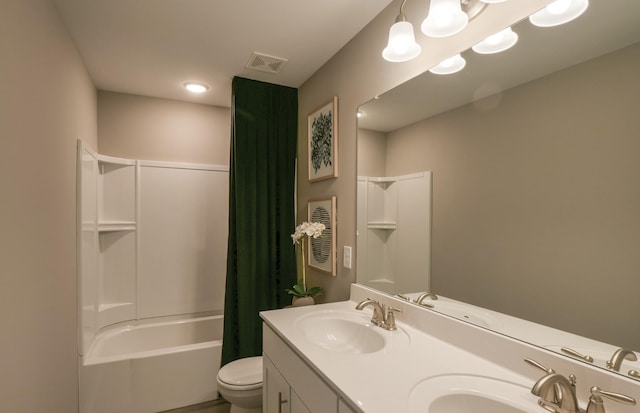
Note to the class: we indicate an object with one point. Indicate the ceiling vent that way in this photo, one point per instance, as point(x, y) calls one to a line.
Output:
point(266, 63)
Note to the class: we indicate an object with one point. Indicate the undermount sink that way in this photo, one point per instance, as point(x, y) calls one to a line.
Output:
point(346, 332)
point(470, 394)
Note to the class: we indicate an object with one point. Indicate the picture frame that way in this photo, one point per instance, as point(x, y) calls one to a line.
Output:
point(321, 251)
point(322, 136)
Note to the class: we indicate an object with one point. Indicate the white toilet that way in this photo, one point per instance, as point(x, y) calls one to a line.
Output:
point(240, 383)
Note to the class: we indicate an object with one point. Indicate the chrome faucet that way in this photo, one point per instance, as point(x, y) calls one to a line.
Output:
point(558, 393)
point(619, 356)
point(378, 317)
point(421, 298)
point(566, 402)
point(553, 394)
point(383, 315)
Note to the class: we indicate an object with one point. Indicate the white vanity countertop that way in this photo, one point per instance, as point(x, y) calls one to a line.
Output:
point(382, 381)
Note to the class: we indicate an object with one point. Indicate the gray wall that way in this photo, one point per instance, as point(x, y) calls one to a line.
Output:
point(139, 127)
point(372, 153)
point(47, 101)
point(356, 74)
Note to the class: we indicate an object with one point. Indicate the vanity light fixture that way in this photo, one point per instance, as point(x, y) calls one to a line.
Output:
point(498, 42)
point(402, 44)
point(196, 87)
point(559, 12)
point(449, 66)
point(445, 18)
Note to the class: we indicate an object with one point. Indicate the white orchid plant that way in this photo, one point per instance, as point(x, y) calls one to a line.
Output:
point(304, 230)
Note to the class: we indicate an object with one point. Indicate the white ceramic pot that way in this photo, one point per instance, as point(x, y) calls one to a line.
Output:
point(300, 301)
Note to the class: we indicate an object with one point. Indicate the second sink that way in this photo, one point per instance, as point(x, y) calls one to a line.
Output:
point(470, 394)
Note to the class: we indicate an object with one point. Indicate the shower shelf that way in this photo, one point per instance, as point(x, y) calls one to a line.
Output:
point(112, 226)
point(111, 306)
point(390, 225)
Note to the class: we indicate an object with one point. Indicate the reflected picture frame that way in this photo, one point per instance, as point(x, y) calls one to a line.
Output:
point(322, 137)
point(321, 251)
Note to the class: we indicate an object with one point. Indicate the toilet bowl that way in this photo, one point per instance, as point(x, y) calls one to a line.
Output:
point(240, 383)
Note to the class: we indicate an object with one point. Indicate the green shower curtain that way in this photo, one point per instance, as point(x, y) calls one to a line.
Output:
point(261, 257)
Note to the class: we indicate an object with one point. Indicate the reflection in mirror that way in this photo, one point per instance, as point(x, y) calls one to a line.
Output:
point(394, 221)
point(535, 180)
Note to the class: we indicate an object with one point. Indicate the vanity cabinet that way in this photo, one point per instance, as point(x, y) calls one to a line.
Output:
point(290, 385)
point(278, 395)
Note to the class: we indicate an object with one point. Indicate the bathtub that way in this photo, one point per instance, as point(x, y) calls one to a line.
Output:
point(151, 366)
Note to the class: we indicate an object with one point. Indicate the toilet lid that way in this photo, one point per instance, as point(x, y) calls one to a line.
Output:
point(242, 372)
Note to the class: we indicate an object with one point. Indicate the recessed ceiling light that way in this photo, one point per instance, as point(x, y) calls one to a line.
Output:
point(196, 87)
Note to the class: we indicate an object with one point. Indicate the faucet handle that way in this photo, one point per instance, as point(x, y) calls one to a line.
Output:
point(576, 354)
point(540, 366)
point(390, 318)
point(555, 394)
point(596, 403)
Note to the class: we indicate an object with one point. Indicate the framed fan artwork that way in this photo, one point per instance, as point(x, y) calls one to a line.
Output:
point(321, 251)
point(322, 125)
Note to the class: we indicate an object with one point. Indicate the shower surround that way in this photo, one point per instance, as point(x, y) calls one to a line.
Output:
point(152, 263)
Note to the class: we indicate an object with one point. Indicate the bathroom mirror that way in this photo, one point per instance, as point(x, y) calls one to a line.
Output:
point(534, 161)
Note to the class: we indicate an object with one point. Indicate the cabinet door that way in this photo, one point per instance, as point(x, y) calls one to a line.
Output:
point(296, 404)
point(317, 396)
point(276, 396)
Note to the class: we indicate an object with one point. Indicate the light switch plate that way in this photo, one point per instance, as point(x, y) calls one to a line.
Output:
point(346, 257)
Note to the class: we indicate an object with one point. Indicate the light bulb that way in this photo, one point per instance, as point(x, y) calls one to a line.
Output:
point(442, 16)
point(559, 12)
point(449, 66)
point(445, 18)
point(402, 44)
point(559, 6)
point(498, 42)
point(494, 39)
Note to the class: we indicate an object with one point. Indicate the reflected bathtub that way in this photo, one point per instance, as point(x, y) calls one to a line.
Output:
point(152, 366)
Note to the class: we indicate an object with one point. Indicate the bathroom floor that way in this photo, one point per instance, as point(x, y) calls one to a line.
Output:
point(215, 406)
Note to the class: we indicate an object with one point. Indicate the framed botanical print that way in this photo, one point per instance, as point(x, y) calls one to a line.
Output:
point(322, 127)
point(321, 251)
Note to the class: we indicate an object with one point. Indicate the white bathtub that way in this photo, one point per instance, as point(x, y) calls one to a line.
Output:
point(151, 367)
